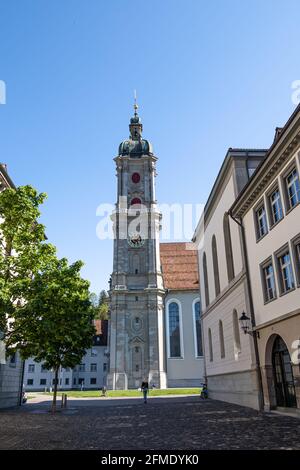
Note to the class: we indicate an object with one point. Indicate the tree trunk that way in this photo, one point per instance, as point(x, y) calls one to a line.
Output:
point(55, 389)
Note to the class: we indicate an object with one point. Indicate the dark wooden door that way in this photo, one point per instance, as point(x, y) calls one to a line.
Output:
point(283, 375)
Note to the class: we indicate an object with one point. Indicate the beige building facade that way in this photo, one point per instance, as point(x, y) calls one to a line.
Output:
point(269, 210)
point(230, 359)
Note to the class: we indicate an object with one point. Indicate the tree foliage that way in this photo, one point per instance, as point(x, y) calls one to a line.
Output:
point(55, 324)
point(23, 247)
point(45, 299)
point(103, 306)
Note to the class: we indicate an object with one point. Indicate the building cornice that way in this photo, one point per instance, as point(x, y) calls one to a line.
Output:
point(279, 319)
point(240, 278)
point(232, 155)
point(5, 177)
point(278, 154)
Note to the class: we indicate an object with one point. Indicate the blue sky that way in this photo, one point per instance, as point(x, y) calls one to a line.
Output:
point(209, 75)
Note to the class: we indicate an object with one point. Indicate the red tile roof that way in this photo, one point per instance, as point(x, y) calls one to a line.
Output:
point(179, 263)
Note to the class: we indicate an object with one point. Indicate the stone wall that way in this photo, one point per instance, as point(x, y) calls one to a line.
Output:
point(240, 388)
point(10, 383)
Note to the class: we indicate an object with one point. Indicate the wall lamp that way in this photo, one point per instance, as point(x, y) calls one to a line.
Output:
point(246, 326)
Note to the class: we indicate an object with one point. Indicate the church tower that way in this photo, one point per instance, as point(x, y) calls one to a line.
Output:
point(137, 296)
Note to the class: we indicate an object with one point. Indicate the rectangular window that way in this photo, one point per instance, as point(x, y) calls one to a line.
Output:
point(93, 367)
point(81, 367)
point(31, 368)
point(285, 271)
point(81, 381)
point(261, 222)
point(292, 188)
point(104, 367)
point(43, 368)
point(30, 382)
point(275, 206)
point(268, 277)
point(74, 381)
point(296, 250)
point(93, 381)
point(67, 380)
point(43, 382)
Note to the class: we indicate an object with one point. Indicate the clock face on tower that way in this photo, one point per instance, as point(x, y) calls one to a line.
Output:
point(135, 240)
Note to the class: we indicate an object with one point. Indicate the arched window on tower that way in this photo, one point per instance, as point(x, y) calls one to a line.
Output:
point(136, 264)
point(236, 335)
point(174, 330)
point(197, 328)
point(205, 278)
point(215, 264)
point(210, 346)
point(221, 339)
point(228, 247)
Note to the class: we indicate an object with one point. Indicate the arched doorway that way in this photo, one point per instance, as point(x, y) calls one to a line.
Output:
point(283, 374)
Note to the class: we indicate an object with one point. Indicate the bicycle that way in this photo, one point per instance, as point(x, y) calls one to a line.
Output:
point(203, 392)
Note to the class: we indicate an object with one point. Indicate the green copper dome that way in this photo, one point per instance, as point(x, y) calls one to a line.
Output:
point(135, 147)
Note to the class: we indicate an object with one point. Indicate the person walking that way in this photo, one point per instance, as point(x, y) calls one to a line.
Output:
point(145, 388)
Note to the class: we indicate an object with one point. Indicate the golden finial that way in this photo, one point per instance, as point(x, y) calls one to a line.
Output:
point(135, 106)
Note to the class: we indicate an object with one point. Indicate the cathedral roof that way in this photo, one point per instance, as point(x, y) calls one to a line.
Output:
point(135, 147)
point(100, 338)
point(179, 262)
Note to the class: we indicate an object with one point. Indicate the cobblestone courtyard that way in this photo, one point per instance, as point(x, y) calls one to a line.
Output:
point(164, 423)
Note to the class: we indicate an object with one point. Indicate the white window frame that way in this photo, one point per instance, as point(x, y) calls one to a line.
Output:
point(261, 221)
point(181, 330)
point(292, 184)
point(277, 202)
point(195, 330)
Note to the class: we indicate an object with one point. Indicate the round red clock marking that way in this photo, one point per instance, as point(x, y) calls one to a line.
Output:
point(136, 200)
point(136, 177)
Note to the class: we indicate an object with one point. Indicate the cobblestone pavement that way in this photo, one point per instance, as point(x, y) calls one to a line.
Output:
point(173, 423)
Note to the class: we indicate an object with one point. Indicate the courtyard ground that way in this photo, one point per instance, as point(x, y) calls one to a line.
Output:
point(177, 423)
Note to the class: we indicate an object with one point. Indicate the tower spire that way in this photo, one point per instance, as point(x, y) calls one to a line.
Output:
point(135, 125)
point(135, 106)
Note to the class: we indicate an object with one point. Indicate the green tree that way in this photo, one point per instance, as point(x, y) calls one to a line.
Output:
point(55, 324)
point(23, 248)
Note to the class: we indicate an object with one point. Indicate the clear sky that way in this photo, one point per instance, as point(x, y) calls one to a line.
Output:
point(209, 75)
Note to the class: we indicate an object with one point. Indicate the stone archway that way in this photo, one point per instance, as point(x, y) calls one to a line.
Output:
point(279, 373)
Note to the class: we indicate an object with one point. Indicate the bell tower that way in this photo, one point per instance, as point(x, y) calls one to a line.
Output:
point(137, 296)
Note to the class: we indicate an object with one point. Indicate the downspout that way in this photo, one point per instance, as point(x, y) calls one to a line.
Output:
point(201, 317)
point(21, 385)
point(203, 343)
point(165, 336)
point(252, 313)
